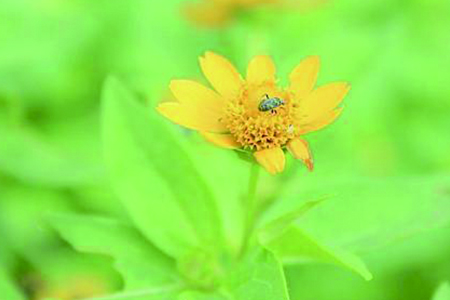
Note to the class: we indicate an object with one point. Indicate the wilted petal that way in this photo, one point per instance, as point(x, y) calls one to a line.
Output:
point(300, 150)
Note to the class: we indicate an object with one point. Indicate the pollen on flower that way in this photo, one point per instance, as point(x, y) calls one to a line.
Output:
point(254, 113)
point(258, 130)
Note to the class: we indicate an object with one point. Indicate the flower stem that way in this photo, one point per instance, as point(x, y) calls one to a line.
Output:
point(250, 206)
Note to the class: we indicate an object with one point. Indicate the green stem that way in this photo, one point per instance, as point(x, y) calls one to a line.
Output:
point(250, 206)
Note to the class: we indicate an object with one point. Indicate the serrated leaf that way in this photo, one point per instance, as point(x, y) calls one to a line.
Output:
point(295, 246)
point(172, 206)
point(277, 227)
point(259, 276)
point(7, 289)
point(140, 263)
point(443, 292)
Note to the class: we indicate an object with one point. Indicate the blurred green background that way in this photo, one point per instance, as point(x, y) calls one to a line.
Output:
point(389, 150)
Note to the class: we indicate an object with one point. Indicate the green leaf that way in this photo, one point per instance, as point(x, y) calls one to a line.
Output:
point(157, 293)
point(443, 292)
point(172, 206)
point(278, 226)
point(259, 276)
point(22, 217)
point(7, 288)
point(228, 190)
point(196, 295)
point(60, 268)
point(295, 246)
point(369, 213)
point(140, 263)
point(6, 254)
point(28, 157)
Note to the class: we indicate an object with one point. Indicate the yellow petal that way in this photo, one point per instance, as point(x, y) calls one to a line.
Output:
point(303, 78)
point(272, 160)
point(222, 140)
point(191, 118)
point(261, 69)
point(222, 75)
point(321, 101)
point(196, 95)
point(300, 150)
point(321, 122)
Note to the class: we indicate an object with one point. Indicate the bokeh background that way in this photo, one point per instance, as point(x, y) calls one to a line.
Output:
point(386, 159)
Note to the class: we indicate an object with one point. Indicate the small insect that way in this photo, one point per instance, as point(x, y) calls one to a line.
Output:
point(290, 129)
point(270, 103)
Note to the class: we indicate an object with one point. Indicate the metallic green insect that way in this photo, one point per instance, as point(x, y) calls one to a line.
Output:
point(270, 103)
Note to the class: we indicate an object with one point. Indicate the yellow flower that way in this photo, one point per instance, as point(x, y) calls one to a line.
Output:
point(237, 114)
point(213, 13)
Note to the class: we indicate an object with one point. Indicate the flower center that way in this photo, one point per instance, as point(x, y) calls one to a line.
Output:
point(262, 117)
